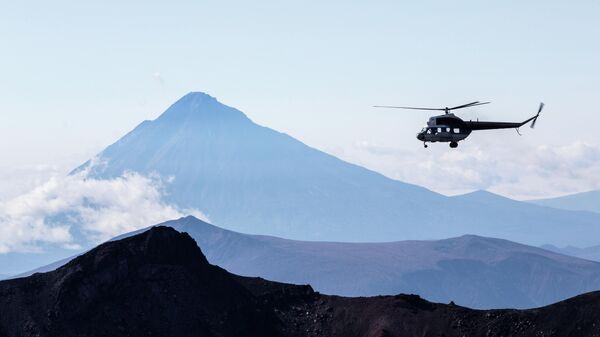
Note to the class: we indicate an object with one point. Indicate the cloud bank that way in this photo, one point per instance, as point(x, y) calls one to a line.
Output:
point(65, 210)
point(518, 171)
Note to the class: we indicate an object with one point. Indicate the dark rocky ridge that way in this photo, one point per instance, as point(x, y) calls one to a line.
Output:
point(159, 283)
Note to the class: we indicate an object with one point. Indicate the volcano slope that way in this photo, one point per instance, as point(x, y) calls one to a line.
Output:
point(159, 283)
point(252, 179)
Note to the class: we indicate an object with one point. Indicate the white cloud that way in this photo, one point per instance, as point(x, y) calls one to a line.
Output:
point(511, 169)
point(98, 209)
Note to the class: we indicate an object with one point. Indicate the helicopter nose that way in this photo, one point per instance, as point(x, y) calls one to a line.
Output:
point(420, 136)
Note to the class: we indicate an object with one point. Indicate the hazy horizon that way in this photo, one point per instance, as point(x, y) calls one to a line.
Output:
point(80, 75)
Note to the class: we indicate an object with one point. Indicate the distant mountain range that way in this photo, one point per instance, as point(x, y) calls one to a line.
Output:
point(250, 178)
point(588, 253)
point(158, 283)
point(586, 201)
point(469, 270)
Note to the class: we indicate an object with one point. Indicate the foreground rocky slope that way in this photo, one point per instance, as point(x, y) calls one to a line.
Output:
point(158, 283)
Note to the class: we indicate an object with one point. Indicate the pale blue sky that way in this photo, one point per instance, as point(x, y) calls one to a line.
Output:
point(77, 75)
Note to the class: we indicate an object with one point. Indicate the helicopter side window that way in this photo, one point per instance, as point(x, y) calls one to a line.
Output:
point(439, 129)
point(448, 130)
point(456, 130)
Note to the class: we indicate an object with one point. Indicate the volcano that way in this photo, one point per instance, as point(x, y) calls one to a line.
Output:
point(253, 179)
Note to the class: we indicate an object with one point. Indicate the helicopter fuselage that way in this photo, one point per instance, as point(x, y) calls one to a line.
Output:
point(444, 128)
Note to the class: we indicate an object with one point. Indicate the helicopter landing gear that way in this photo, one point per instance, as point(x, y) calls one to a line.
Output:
point(424, 145)
point(453, 145)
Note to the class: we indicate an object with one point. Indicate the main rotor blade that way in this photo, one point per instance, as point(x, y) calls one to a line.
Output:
point(468, 105)
point(464, 105)
point(406, 107)
point(476, 103)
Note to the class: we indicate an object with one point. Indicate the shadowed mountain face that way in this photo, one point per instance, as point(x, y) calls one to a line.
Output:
point(586, 201)
point(250, 178)
point(469, 270)
point(155, 283)
point(159, 283)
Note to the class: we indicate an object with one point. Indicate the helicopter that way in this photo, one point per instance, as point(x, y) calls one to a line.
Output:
point(451, 128)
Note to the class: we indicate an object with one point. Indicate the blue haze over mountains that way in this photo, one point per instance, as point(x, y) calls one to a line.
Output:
point(470, 270)
point(586, 201)
point(250, 178)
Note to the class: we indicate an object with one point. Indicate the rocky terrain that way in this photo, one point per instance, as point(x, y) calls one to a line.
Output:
point(158, 283)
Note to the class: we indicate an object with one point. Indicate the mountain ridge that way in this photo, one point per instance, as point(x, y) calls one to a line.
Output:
point(159, 283)
point(493, 273)
point(589, 253)
point(584, 201)
point(132, 287)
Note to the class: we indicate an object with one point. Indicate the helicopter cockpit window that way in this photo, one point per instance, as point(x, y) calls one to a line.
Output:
point(428, 131)
point(439, 129)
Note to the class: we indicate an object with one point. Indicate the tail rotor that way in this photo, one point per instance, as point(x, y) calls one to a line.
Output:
point(538, 115)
